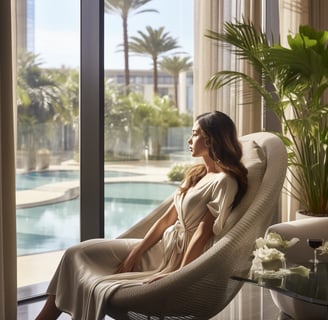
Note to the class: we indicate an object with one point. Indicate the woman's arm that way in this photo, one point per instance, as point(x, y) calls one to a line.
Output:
point(197, 243)
point(154, 234)
point(199, 239)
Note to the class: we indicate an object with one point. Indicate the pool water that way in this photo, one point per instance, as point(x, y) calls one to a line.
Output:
point(31, 180)
point(57, 226)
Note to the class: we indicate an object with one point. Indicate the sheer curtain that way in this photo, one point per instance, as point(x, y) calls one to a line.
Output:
point(292, 13)
point(8, 282)
point(209, 58)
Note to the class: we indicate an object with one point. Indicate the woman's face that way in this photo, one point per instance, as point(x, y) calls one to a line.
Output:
point(197, 142)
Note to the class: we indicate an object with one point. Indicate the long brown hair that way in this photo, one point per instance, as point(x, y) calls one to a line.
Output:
point(225, 149)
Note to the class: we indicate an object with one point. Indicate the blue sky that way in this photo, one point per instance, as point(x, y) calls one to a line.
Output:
point(57, 31)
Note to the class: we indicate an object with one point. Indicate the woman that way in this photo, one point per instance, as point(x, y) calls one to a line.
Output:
point(90, 271)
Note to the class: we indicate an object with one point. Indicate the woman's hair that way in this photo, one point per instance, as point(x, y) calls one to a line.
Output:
point(224, 148)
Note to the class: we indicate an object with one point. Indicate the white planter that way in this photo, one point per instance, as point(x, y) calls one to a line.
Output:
point(300, 215)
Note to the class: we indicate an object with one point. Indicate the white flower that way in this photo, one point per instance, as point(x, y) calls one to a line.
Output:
point(300, 270)
point(260, 242)
point(324, 248)
point(268, 258)
point(269, 261)
point(265, 254)
point(282, 272)
point(274, 240)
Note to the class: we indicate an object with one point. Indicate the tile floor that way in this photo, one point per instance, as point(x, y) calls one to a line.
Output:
point(252, 303)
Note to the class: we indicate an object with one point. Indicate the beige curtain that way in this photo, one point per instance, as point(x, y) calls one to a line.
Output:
point(209, 58)
point(292, 13)
point(8, 282)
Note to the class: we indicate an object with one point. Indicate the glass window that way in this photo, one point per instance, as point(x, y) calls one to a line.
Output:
point(47, 168)
point(145, 133)
point(141, 117)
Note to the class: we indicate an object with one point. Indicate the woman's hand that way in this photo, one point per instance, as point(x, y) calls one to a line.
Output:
point(153, 236)
point(130, 262)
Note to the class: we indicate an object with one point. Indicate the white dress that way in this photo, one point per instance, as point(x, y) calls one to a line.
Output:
point(84, 279)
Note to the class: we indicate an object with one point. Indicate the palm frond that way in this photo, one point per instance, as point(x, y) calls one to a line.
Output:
point(295, 78)
point(243, 40)
point(226, 77)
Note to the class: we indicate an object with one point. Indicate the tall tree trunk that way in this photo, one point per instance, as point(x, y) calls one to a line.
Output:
point(126, 54)
point(176, 83)
point(155, 76)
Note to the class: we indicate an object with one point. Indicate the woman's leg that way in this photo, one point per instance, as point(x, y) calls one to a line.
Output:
point(99, 257)
point(49, 311)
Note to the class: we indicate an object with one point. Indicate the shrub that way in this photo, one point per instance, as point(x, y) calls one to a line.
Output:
point(178, 171)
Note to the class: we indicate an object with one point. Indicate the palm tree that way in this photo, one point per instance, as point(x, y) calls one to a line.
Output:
point(124, 8)
point(153, 44)
point(174, 65)
point(67, 112)
point(68, 84)
point(36, 90)
point(37, 98)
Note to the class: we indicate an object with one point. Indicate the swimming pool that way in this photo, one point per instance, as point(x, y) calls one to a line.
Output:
point(34, 179)
point(56, 226)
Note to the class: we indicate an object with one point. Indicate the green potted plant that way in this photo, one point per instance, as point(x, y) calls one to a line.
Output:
point(293, 79)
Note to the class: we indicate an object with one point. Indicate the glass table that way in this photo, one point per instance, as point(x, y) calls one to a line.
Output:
point(312, 289)
point(296, 295)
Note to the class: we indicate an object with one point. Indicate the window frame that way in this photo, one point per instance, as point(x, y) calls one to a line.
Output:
point(91, 132)
point(92, 120)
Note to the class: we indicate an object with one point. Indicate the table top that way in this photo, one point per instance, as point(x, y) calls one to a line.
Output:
point(312, 289)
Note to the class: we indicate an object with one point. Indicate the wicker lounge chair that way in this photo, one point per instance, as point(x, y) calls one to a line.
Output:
point(203, 288)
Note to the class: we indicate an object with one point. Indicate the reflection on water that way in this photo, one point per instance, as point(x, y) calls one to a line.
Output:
point(56, 226)
point(34, 179)
point(47, 228)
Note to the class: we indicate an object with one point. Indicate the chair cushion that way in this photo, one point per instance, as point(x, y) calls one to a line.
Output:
point(254, 160)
